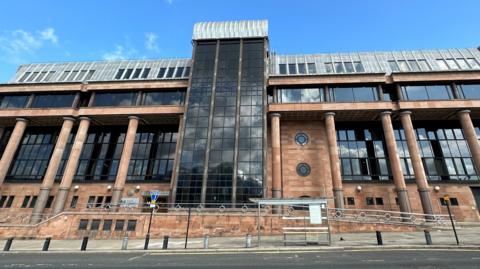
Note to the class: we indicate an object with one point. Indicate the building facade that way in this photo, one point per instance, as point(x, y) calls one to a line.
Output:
point(370, 130)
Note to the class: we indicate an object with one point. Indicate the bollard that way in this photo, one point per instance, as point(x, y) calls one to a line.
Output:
point(165, 242)
point(205, 241)
point(379, 238)
point(428, 237)
point(248, 241)
point(125, 243)
point(84, 243)
point(46, 244)
point(147, 240)
point(8, 244)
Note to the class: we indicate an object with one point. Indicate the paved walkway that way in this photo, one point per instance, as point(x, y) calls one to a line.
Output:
point(467, 236)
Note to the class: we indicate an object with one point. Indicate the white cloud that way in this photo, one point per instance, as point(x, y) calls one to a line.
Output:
point(169, 2)
point(120, 53)
point(18, 45)
point(49, 34)
point(151, 42)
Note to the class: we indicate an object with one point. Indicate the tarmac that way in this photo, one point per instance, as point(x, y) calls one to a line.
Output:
point(469, 238)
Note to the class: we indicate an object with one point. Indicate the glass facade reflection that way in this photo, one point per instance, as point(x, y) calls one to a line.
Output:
point(229, 116)
point(13, 101)
point(309, 95)
point(353, 94)
point(114, 99)
point(427, 92)
point(157, 98)
point(53, 100)
point(469, 91)
point(363, 154)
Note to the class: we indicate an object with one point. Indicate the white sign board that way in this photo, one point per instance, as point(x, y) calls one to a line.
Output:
point(129, 202)
point(315, 214)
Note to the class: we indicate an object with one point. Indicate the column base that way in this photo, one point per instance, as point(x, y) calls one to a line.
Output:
point(404, 204)
point(338, 198)
point(116, 197)
point(60, 200)
point(426, 202)
point(40, 206)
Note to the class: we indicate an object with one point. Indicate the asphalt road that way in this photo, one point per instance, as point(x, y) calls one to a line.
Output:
point(425, 259)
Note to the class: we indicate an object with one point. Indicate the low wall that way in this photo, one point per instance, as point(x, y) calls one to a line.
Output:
point(174, 224)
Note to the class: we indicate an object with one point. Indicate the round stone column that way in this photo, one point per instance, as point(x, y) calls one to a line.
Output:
point(125, 160)
point(11, 148)
point(52, 169)
point(334, 159)
point(72, 165)
point(276, 156)
point(470, 136)
point(395, 165)
point(415, 157)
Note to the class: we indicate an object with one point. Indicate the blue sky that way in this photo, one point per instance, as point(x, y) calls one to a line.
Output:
point(56, 31)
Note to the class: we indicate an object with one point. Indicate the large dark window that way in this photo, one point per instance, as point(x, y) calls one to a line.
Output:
point(445, 153)
point(53, 100)
point(114, 98)
point(469, 91)
point(309, 95)
point(363, 154)
point(353, 94)
point(13, 101)
point(101, 155)
point(33, 154)
point(163, 98)
point(153, 155)
point(427, 92)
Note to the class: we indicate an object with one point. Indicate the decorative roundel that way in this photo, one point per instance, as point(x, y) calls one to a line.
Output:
point(303, 169)
point(301, 139)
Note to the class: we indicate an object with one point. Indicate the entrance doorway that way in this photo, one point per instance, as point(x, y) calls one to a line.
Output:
point(476, 195)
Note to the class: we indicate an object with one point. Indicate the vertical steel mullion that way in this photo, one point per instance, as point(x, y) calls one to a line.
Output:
point(237, 126)
point(210, 123)
point(264, 123)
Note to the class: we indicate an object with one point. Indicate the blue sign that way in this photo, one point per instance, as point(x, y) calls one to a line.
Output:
point(154, 195)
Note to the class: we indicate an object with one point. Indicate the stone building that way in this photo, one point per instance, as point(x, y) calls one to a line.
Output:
point(391, 130)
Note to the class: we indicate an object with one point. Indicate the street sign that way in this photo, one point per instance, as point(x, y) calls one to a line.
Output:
point(154, 195)
point(446, 198)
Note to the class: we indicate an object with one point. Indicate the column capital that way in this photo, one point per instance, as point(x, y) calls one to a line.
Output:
point(387, 112)
point(272, 115)
point(405, 112)
point(84, 118)
point(133, 118)
point(466, 111)
point(69, 119)
point(21, 119)
point(330, 113)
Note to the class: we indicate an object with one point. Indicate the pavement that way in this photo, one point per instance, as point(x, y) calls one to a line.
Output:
point(361, 259)
point(469, 239)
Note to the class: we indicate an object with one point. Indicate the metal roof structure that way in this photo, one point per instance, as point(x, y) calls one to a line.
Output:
point(375, 62)
point(103, 71)
point(230, 29)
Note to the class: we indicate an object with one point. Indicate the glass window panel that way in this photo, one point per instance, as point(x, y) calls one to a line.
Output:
point(145, 73)
point(442, 64)
point(438, 92)
point(170, 72)
point(292, 69)
point(328, 67)
point(452, 64)
point(364, 93)
point(473, 63)
point(393, 66)
point(414, 65)
point(137, 73)
point(359, 67)
point(403, 65)
point(470, 91)
point(163, 98)
point(161, 72)
point(312, 69)
point(415, 92)
point(349, 67)
point(339, 67)
point(462, 63)
point(302, 69)
point(282, 69)
point(13, 101)
point(343, 94)
point(53, 100)
point(179, 72)
point(128, 74)
point(423, 65)
point(114, 99)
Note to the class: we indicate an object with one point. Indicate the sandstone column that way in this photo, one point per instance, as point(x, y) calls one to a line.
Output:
point(52, 169)
point(276, 156)
point(470, 136)
point(334, 159)
point(11, 148)
point(72, 165)
point(420, 177)
point(395, 165)
point(125, 160)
